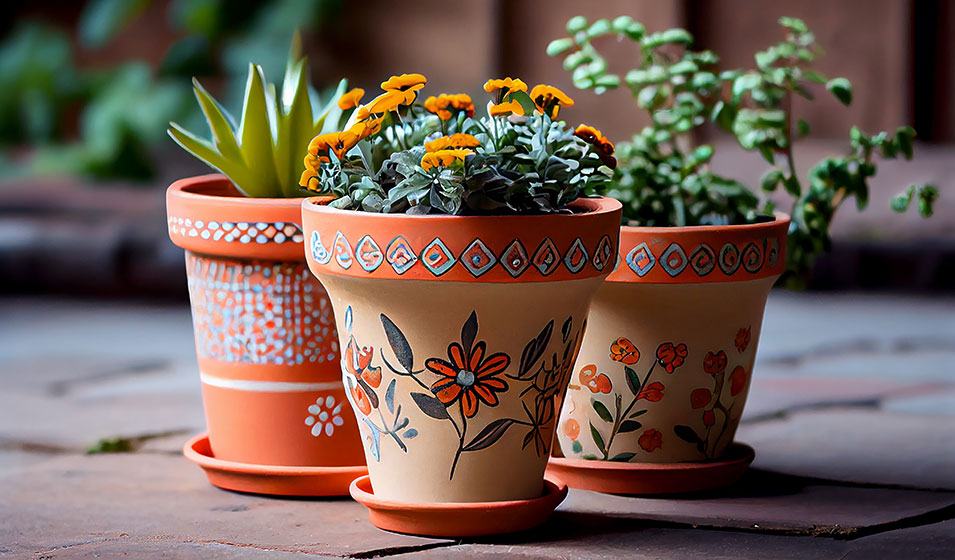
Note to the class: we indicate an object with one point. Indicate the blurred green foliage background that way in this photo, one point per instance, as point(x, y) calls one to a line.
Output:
point(58, 118)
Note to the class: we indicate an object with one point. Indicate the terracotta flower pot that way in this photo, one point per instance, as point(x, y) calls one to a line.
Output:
point(665, 365)
point(265, 332)
point(459, 337)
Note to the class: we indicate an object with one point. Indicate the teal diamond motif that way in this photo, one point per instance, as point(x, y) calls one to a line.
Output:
point(437, 258)
point(477, 258)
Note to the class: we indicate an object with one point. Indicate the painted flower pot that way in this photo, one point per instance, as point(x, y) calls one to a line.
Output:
point(265, 332)
point(666, 362)
point(459, 337)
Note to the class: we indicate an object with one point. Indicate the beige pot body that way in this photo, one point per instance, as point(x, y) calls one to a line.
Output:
point(431, 316)
point(666, 363)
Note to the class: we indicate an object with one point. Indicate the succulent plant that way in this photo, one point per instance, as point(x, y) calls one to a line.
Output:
point(262, 155)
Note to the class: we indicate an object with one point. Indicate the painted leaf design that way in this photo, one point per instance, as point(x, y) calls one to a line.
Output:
point(390, 396)
point(638, 413)
point(489, 435)
point(633, 381)
point(597, 438)
point(410, 433)
point(630, 426)
point(565, 328)
point(430, 406)
point(577, 447)
point(687, 434)
point(623, 457)
point(469, 332)
point(399, 344)
point(372, 397)
point(602, 411)
point(535, 349)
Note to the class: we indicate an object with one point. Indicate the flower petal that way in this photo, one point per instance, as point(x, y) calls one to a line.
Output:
point(441, 367)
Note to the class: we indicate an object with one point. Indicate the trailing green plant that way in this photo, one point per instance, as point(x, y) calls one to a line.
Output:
point(396, 155)
point(664, 179)
point(261, 156)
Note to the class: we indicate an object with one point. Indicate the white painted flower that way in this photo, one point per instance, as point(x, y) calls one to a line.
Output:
point(324, 415)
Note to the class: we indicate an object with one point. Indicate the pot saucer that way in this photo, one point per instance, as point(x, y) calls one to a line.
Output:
point(269, 479)
point(459, 519)
point(653, 478)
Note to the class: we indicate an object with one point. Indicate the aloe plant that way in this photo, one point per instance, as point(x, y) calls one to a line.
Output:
point(262, 156)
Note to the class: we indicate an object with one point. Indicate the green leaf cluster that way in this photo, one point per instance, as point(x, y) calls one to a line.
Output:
point(262, 154)
point(663, 177)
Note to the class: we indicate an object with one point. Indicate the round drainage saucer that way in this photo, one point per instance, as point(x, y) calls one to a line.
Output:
point(471, 519)
point(653, 478)
point(269, 479)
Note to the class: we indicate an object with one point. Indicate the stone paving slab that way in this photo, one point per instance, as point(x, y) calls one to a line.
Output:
point(863, 446)
point(82, 500)
point(931, 542)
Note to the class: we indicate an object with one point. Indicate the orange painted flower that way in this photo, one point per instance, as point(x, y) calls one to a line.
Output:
point(549, 99)
point(743, 337)
point(357, 361)
point(596, 382)
point(459, 140)
point(469, 377)
point(709, 418)
point(714, 363)
point(404, 82)
point(700, 398)
point(651, 440)
point(671, 356)
point(361, 400)
point(443, 158)
point(506, 84)
point(623, 351)
point(505, 109)
point(652, 392)
point(737, 380)
point(572, 428)
point(350, 99)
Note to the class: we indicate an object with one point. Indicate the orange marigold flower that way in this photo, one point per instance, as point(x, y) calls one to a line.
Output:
point(571, 428)
point(404, 82)
point(462, 102)
point(388, 101)
point(445, 104)
point(622, 350)
point(589, 134)
point(602, 146)
point(505, 109)
point(737, 381)
point(508, 84)
point(549, 99)
point(350, 99)
point(364, 129)
point(651, 440)
point(652, 392)
point(459, 140)
point(714, 363)
point(319, 145)
point(337, 142)
point(443, 158)
point(671, 356)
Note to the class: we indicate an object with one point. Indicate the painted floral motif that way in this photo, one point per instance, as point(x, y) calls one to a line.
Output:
point(324, 416)
point(455, 389)
point(711, 400)
point(669, 356)
point(597, 383)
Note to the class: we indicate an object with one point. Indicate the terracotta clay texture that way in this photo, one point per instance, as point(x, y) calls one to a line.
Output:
point(666, 362)
point(459, 335)
point(265, 331)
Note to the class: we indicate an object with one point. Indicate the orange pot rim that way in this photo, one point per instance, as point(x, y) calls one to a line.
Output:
point(702, 254)
point(482, 248)
point(199, 208)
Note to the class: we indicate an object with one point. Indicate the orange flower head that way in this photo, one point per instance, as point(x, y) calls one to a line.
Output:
point(709, 418)
point(652, 392)
point(743, 336)
point(462, 102)
point(469, 376)
point(671, 356)
point(350, 99)
point(623, 351)
point(571, 428)
point(596, 382)
point(404, 82)
point(341, 142)
point(443, 158)
point(700, 398)
point(459, 140)
point(651, 440)
point(506, 84)
point(505, 109)
point(320, 144)
point(446, 104)
point(314, 163)
point(310, 181)
point(549, 99)
point(364, 129)
point(388, 101)
point(589, 134)
point(714, 363)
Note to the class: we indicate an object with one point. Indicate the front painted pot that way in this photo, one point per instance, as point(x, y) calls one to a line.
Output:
point(665, 365)
point(459, 337)
point(265, 332)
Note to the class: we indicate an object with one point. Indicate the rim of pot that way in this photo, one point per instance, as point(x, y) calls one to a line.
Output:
point(488, 248)
point(207, 214)
point(702, 254)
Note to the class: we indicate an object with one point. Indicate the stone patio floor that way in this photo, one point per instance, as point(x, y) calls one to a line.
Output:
point(852, 414)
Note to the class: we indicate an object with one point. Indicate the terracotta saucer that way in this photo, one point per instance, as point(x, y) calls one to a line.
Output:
point(653, 478)
point(458, 520)
point(268, 479)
